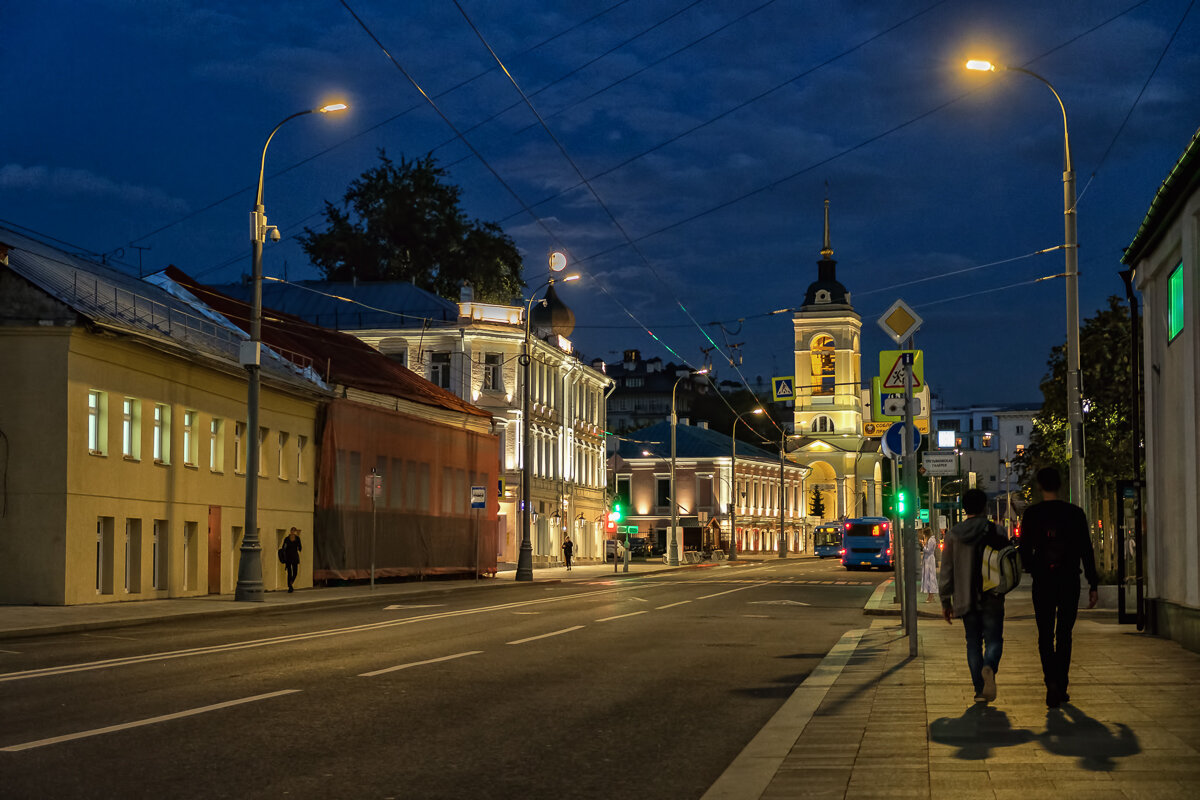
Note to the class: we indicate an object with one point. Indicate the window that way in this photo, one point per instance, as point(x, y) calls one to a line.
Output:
point(947, 424)
point(1020, 430)
point(987, 424)
point(493, 372)
point(822, 424)
point(216, 445)
point(1175, 303)
point(104, 555)
point(633, 383)
point(262, 451)
point(239, 447)
point(987, 440)
point(301, 446)
point(162, 434)
point(189, 438)
point(131, 428)
point(283, 467)
point(98, 423)
point(663, 492)
point(439, 369)
point(823, 366)
point(133, 556)
point(159, 556)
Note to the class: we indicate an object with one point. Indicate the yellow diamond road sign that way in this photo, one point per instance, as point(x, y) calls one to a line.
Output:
point(900, 321)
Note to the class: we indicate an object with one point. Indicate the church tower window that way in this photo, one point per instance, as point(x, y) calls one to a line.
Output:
point(824, 370)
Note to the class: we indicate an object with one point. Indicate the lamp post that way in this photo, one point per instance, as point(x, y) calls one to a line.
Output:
point(673, 557)
point(249, 585)
point(558, 262)
point(733, 486)
point(1071, 258)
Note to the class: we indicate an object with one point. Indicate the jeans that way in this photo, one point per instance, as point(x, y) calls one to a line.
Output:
point(1055, 606)
point(985, 637)
point(291, 570)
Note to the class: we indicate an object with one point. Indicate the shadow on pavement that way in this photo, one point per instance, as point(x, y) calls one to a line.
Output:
point(1070, 732)
point(980, 730)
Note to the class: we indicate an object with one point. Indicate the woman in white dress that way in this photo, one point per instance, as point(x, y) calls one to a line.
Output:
point(929, 577)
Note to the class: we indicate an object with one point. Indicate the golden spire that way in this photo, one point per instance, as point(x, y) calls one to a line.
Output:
point(827, 249)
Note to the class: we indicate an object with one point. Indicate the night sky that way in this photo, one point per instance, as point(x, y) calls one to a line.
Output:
point(707, 131)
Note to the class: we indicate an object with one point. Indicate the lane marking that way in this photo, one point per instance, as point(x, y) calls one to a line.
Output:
point(730, 591)
point(524, 613)
point(622, 616)
point(11, 652)
point(418, 663)
point(290, 638)
point(545, 635)
point(672, 605)
point(191, 712)
point(102, 636)
point(424, 605)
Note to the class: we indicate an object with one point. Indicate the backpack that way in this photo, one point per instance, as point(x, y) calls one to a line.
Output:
point(1001, 568)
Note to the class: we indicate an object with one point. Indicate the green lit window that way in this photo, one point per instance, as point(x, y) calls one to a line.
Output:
point(1175, 303)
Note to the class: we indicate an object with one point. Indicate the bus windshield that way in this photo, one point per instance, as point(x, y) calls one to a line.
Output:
point(864, 529)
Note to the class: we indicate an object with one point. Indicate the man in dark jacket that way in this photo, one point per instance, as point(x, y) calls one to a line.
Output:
point(960, 585)
point(289, 552)
point(1054, 541)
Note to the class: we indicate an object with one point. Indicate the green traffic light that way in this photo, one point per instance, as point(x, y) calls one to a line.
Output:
point(618, 512)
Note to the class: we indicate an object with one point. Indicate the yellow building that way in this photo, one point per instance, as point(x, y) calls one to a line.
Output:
point(122, 439)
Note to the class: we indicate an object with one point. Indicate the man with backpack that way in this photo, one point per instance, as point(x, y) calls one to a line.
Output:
point(960, 585)
point(1054, 540)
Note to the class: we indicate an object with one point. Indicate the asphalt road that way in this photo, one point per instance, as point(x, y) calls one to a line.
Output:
point(641, 686)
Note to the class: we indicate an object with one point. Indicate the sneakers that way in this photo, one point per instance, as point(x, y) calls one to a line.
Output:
point(989, 684)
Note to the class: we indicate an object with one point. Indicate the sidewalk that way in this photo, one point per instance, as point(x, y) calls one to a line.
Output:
point(873, 722)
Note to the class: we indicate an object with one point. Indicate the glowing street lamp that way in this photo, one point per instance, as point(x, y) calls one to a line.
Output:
point(1071, 258)
point(733, 485)
point(249, 584)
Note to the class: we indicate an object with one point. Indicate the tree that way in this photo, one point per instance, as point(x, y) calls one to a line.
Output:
point(402, 222)
point(1104, 357)
point(816, 506)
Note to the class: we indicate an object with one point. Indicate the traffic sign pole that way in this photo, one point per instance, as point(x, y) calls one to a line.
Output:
point(910, 531)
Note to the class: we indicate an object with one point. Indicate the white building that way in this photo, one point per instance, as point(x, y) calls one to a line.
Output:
point(1165, 257)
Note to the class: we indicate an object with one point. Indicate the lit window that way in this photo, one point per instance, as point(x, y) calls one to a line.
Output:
point(189, 438)
point(98, 422)
point(1175, 303)
point(131, 424)
point(162, 434)
point(216, 445)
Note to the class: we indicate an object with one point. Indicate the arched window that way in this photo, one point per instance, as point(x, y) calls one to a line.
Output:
point(822, 424)
point(824, 374)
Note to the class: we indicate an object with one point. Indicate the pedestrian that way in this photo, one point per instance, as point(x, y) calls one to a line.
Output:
point(289, 553)
point(568, 547)
point(1054, 542)
point(620, 550)
point(929, 576)
point(960, 584)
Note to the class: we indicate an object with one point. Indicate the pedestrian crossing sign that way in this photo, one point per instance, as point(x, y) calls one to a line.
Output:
point(783, 388)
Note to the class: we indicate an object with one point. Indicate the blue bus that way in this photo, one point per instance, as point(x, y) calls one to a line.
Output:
point(827, 540)
point(866, 543)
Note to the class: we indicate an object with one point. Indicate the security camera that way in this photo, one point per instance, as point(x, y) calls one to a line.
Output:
point(274, 234)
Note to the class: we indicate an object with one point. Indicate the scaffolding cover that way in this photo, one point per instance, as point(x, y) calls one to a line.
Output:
point(422, 523)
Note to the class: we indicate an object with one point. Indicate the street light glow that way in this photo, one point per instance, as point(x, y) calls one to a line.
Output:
point(981, 66)
point(333, 107)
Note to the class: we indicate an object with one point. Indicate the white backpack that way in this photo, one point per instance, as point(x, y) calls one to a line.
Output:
point(1001, 568)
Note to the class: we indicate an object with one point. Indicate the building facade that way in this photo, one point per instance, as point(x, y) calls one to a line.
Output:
point(1165, 258)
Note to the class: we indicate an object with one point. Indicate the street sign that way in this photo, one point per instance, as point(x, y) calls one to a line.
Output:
point(373, 485)
point(878, 400)
point(783, 388)
point(893, 440)
point(895, 364)
point(478, 497)
point(939, 464)
point(900, 321)
point(874, 430)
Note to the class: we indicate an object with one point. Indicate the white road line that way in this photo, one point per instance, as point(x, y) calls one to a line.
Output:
point(672, 605)
point(296, 637)
point(139, 723)
point(544, 635)
point(418, 663)
point(11, 652)
point(731, 591)
point(623, 616)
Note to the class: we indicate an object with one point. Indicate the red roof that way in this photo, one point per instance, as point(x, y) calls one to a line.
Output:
point(338, 357)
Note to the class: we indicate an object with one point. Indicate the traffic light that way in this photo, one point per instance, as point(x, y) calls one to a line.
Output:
point(901, 502)
point(618, 513)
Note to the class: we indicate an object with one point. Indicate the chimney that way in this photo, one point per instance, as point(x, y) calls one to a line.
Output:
point(702, 424)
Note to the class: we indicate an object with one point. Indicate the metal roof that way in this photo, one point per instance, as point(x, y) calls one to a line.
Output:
point(135, 306)
point(1180, 183)
point(691, 442)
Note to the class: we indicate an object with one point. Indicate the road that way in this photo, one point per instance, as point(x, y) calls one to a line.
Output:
point(639, 685)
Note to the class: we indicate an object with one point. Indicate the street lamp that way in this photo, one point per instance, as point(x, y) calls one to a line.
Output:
point(249, 584)
point(1071, 257)
point(673, 558)
point(733, 486)
point(558, 263)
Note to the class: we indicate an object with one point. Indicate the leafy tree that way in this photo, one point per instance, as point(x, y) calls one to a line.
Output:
point(402, 222)
point(816, 507)
point(1105, 366)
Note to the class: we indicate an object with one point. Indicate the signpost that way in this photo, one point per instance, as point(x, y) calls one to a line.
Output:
point(783, 388)
point(478, 501)
point(939, 464)
point(373, 486)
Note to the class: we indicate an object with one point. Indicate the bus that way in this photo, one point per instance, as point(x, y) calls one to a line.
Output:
point(827, 539)
point(866, 543)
